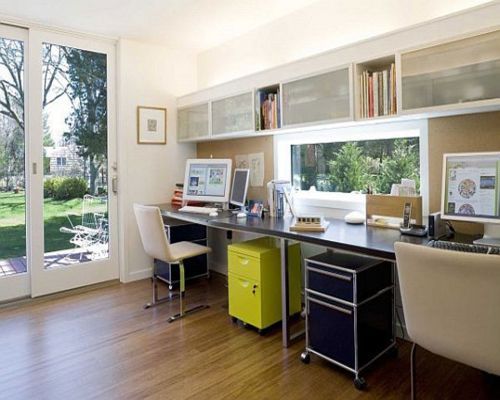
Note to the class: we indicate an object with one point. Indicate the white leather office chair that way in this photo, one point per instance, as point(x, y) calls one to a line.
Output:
point(156, 244)
point(451, 304)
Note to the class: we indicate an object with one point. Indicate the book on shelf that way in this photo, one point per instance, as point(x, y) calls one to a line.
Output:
point(269, 110)
point(378, 92)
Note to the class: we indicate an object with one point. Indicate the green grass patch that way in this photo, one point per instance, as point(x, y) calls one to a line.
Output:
point(13, 224)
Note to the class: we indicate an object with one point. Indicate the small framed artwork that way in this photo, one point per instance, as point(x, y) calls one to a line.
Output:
point(255, 208)
point(151, 125)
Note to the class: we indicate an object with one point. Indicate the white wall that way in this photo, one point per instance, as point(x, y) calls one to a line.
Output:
point(322, 26)
point(148, 75)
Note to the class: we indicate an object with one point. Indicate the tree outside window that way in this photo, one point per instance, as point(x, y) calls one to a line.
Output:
point(357, 165)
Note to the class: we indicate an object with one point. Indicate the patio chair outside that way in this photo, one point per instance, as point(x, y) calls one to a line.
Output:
point(91, 235)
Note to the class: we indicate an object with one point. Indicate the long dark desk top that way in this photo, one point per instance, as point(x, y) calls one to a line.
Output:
point(378, 242)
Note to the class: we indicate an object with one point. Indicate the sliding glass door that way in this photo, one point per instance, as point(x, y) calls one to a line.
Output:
point(59, 170)
point(75, 146)
point(14, 276)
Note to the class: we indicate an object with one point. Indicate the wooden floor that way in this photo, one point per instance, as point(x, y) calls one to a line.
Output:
point(102, 345)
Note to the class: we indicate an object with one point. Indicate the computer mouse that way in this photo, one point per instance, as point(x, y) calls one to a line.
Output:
point(213, 214)
point(355, 217)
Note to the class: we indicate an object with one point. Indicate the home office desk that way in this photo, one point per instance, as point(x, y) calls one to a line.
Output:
point(359, 239)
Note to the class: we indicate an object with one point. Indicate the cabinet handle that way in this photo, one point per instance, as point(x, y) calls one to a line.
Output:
point(243, 260)
point(332, 274)
point(244, 283)
point(337, 308)
point(253, 289)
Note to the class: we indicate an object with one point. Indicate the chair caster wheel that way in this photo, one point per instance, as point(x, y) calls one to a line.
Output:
point(359, 383)
point(305, 357)
point(146, 306)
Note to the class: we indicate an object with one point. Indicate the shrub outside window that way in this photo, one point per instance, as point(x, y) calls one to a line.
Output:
point(355, 165)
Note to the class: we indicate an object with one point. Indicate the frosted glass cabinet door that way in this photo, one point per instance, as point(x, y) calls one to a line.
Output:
point(232, 114)
point(319, 98)
point(192, 122)
point(462, 71)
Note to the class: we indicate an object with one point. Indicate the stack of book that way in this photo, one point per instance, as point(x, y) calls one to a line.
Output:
point(178, 193)
point(269, 110)
point(276, 197)
point(378, 92)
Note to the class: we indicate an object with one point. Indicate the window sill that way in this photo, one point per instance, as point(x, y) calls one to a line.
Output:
point(343, 201)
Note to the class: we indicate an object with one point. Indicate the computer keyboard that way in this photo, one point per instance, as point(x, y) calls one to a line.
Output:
point(468, 248)
point(198, 210)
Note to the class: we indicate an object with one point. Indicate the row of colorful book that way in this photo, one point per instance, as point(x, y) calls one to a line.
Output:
point(378, 92)
point(269, 110)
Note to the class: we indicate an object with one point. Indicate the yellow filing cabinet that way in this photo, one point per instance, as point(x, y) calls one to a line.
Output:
point(254, 269)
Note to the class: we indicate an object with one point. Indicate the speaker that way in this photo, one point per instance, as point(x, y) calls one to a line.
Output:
point(436, 226)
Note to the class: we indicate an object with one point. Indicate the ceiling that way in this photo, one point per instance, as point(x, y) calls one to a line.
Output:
point(193, 25)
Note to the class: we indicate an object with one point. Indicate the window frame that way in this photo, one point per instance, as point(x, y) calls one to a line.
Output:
point(370, 131)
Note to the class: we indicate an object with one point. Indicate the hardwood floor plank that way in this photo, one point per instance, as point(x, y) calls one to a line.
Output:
point(102, 345)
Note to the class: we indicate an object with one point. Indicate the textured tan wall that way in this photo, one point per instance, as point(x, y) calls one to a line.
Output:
point(463, 133)
point(233, 147)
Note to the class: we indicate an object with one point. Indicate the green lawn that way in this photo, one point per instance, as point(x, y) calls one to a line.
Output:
point(13, 229)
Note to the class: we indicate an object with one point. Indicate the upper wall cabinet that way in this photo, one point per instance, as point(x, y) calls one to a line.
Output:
point(233, 114)
point(192, 122)
point(456, 73)
point(318, 99)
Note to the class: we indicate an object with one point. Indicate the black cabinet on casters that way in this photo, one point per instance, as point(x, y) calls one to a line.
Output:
point(350, 310)
point(195, 267)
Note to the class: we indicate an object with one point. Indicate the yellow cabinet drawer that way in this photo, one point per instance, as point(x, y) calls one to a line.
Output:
point(245, 300)
point(244, 265)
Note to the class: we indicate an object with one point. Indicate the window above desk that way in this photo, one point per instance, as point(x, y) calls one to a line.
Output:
point(330, 167)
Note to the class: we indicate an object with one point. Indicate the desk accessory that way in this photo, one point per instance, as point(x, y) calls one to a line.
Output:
point(255, 208)
point(414, 230)
point(355, 218)
point(309, 223)
point(385, 211)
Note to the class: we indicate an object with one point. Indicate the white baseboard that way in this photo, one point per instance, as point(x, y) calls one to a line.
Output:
point(138, 275)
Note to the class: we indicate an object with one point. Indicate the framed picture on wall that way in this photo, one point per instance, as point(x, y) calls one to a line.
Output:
point(151, 125)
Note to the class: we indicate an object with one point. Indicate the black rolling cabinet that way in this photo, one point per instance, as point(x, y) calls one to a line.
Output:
point(350, 310)
point(195, 267)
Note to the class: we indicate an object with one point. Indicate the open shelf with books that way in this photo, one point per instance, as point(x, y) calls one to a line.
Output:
point(376, 88)
point(268, 108)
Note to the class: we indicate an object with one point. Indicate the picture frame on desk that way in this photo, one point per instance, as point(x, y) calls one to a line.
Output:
point(151, 125)
point(255, 208)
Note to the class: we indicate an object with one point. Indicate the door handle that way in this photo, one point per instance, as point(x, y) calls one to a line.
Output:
point(114, 184)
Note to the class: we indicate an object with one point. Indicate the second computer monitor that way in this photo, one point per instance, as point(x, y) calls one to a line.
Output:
point(240, 187)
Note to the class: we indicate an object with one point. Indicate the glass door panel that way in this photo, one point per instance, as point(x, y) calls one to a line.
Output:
point(74, 146)
point(192, 122)
point(75, 156)
point(317, 99)
point(455, 73)
point(14, 280)
point(233, 114)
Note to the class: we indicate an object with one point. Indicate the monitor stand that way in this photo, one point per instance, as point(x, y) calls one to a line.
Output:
point(491, 235)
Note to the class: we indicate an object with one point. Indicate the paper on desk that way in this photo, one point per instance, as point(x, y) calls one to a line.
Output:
point(256, 163)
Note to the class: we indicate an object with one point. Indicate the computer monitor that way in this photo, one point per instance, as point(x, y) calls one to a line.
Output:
point(240, 187)
point(207, 180)
point(471, 191)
